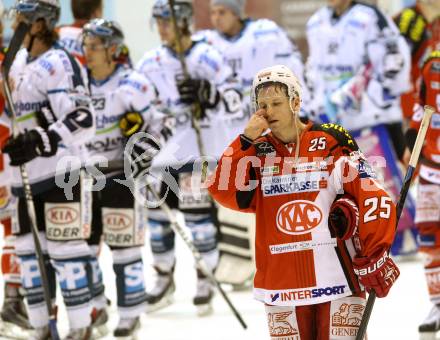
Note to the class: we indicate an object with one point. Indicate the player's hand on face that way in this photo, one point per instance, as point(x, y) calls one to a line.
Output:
point(256, 125)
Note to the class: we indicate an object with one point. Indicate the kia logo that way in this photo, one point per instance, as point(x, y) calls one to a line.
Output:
point(117, 221)
point(298, 217)
point(62, 215)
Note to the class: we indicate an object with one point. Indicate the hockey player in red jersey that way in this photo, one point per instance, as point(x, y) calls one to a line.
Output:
point(324, 222)
point(428, 192)
point(416, 24)
point(248, 46)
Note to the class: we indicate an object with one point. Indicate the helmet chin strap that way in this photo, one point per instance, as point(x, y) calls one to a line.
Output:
point(297, 144)
point(31, 42)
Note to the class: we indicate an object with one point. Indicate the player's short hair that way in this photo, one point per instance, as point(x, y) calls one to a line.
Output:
point(83, 9)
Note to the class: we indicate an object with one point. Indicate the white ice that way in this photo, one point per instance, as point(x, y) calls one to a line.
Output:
point(395, 317)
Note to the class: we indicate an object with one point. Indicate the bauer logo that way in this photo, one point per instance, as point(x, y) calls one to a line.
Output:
point(117, 221)
point(298, 217)
point(62, 215)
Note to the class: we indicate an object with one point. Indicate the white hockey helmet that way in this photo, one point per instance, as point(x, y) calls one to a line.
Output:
point(276, 74)
point(33, 10)
point(182, 8)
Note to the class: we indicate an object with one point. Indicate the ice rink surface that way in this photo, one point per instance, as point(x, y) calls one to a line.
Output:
point(394, 318)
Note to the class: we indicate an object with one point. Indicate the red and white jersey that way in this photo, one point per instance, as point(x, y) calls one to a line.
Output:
point(299, 260)
point(418, 32)
point(5, 174)
point(70, 39)
point(430, 95)
point(5, 170)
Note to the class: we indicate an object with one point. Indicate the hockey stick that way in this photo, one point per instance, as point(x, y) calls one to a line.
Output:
point(13, 48)
point(195, 109)
point(195, 117)
point(177, 228)
point(400, 204)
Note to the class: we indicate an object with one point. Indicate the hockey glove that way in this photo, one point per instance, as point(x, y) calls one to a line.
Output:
point(130, 123)
point(348, 97)
point(140, 151)
point(45, 117)
point(198, 91)
point(378, 272)
point(344, 217)
point(31, 144)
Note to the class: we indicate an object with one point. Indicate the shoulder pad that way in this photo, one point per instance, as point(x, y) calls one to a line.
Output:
point(150, 58)
point(339, 133)
point(202, 35)
point(134, 81)
point(51, 62)
point(207, 55)
point(264, 24)
point(264, 148)
point(373, 13)
point(317, 17)
point(433, 55)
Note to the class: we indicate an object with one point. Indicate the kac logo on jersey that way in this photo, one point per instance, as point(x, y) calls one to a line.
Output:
point(298, 217)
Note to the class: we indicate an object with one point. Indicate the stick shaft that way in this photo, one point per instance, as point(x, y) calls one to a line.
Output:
point(13, 48)
point(195, 109)
point(198, 257)
point(400, 204)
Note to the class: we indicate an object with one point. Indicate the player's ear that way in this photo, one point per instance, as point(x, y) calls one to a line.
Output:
point(112, 50)
point(295, 104)
point(38, 26)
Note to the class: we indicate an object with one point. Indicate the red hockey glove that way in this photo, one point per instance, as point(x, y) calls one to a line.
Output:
point(379, 272)
point(344, 217)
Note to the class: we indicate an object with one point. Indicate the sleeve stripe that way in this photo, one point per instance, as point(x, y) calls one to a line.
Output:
point(283, 55)
point(146, 108)
point(57, 91)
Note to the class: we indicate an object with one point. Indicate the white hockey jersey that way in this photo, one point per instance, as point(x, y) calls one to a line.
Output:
point(203, 61)
point(70, 39)
point(260, 44)
point(125, 90)
point(54, 80)
point(341, 47)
